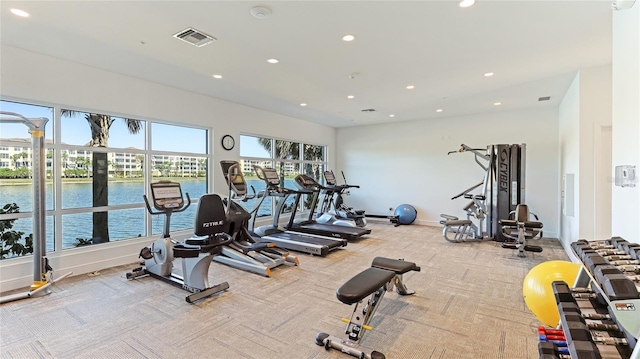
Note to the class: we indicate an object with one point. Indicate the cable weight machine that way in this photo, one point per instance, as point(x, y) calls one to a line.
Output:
point(501, 190)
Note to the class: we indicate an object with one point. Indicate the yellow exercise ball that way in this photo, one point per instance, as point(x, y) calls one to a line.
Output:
point(538, 292)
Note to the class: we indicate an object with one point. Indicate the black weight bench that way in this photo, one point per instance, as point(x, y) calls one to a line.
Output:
point(373, 282)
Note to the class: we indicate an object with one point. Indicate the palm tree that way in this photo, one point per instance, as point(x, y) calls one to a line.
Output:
point(140, 162)
point(65, 158)
point(100, 125)
point(14, 159)
point(24, 156)
point(202, 166)
point(313, 153)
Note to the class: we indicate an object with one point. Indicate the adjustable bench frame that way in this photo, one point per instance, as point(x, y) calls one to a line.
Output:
point(383, 275)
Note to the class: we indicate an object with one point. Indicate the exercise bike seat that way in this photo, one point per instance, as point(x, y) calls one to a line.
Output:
point(397, 266)
point(363, 284)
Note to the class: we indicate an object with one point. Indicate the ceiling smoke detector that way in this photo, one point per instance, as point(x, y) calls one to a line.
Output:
point(260, 12)
point(194, 37)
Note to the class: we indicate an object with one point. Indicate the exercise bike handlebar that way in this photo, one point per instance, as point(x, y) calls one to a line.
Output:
point(181, 209)
point(222, 239)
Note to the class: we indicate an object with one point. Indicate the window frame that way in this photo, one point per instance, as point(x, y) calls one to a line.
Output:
point(54, 164)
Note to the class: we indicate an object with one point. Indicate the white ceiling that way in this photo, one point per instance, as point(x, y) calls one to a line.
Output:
point(533, 47)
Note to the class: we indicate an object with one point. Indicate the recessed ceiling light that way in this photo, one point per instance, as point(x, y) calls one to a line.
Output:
point(439, 110)
point(273, 61)
point(217, 76)
point(350, 96)
point(20, 13)
point(303, 104)
point(410, 87)
point(348, 38)
point(392, 115)
point(260, 12)
point(467, 3)
point(497, 103)
point(488, 74)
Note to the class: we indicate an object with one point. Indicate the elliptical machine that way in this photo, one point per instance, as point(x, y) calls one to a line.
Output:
point(333, 209)
point(245, 251)
point(196, 252)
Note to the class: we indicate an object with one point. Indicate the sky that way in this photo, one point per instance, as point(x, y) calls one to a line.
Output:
point(76, 131)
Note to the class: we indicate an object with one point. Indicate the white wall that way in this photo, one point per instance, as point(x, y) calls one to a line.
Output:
point(626, 119)
point(569, 138)
point(407, 162)
point(584, 111)
point(595, 114)
point(34, 77)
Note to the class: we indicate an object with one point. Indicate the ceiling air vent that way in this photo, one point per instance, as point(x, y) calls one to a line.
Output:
point(369, 110)
point(546, 98)
point(194, 37)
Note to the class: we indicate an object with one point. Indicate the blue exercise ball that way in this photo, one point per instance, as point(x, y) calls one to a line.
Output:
point(406, 214)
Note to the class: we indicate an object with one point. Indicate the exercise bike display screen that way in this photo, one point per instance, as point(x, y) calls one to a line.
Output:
point(167, 195)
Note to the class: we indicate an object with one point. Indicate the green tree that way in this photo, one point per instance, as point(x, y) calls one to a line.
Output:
point(65, 159)
point(100, 125)
point(284, 150)
point(24, 157)
point(10, 240)
point(14, 159)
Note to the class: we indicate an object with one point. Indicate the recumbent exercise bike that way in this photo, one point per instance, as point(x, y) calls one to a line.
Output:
point(196, 252)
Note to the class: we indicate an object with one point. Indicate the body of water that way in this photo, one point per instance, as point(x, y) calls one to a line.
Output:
point(123, 224)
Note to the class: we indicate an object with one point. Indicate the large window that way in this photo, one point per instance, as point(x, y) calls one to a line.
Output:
point(97, 169)
point(289, 158)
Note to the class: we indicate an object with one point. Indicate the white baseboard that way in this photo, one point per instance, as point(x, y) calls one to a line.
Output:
point(17, 273)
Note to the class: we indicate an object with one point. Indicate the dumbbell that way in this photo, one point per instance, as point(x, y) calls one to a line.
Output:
point(613, 246)
point(598, 244)
point(548, 350)
point(616, 284)
point(567, 305)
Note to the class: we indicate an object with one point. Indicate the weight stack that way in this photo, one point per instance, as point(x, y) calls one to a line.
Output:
point(507, 184)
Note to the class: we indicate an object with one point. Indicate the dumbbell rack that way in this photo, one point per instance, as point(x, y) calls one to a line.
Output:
point(600, 315)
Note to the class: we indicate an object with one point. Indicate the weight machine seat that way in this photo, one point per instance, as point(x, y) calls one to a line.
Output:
point(527, 224)
point(397, 266)
point(459, 222)
point(363, 284)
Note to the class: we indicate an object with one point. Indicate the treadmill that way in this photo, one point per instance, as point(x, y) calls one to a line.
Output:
point(312, 244)
point(308, 185)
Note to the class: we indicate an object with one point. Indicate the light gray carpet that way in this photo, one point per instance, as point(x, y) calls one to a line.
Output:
point(468, 305)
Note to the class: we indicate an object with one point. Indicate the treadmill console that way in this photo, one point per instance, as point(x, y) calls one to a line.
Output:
point(166, 195)
point(269, 175)
point(307, 183)
point(329, 178)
